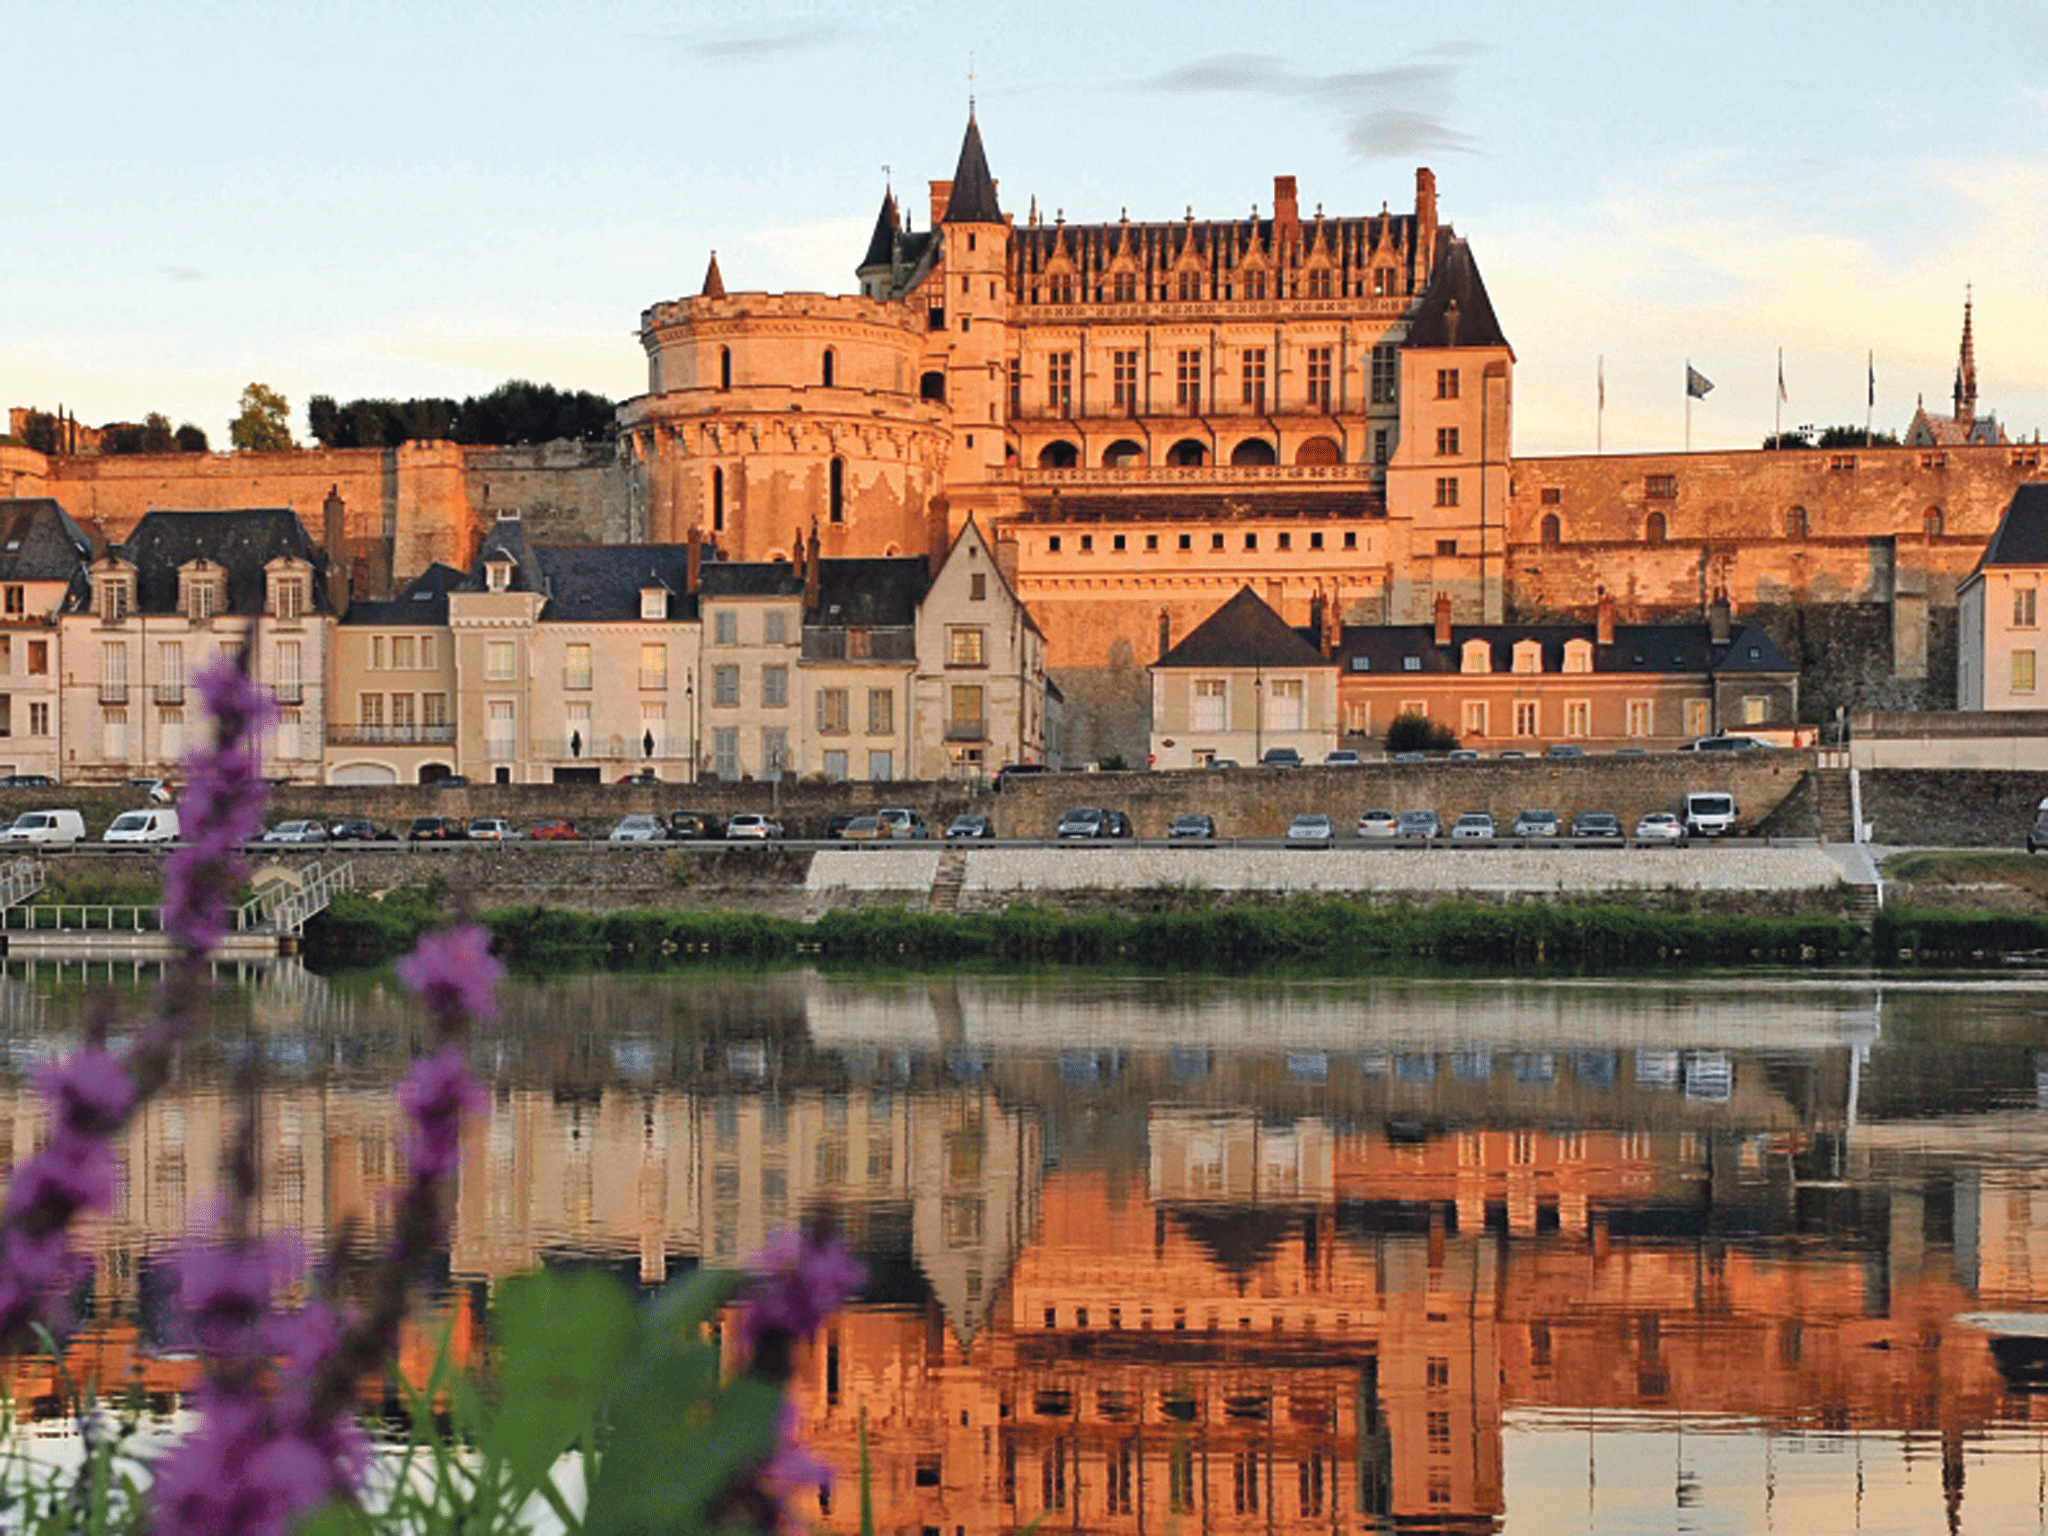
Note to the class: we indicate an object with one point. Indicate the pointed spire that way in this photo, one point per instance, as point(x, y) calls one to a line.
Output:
point(882, 244)
point(1966, 370)
point(714, 285)
point(973, 198)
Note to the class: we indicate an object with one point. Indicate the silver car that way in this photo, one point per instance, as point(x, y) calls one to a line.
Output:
point(640, 827)
point(1473, 825)
point(1311, 829)
point(1419, 824)
point(1378, 824)
point(1536, 823)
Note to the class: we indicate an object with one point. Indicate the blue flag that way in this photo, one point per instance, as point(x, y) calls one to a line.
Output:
point(1696, 383)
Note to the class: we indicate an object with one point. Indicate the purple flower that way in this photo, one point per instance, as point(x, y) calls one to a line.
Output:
point(801, 1277)
point(250, 1470)
point(454, 973)
point(434, 1095)
point(225, 1290)
point(791, 1467)
point(87, 1090)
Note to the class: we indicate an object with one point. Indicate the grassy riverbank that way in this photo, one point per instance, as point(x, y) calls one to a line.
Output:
point(1325, 930)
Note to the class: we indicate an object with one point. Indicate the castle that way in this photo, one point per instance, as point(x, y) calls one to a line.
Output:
point(1146, 417)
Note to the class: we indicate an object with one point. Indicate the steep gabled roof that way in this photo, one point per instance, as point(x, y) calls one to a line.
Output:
point(2022, 534)
point(877, 593)
point(507, 541)
point(241, 542)
point(424, 601)
point(601, 583)
point(1456, 281)
point(882, 244)
point(39, 542)
point(1244, 632)
point(973, 198)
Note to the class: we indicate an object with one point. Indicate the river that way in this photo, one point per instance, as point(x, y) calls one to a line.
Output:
point(1278, 1253)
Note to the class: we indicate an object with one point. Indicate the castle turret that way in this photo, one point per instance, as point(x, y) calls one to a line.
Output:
point(968, 309)
point(1966, 373)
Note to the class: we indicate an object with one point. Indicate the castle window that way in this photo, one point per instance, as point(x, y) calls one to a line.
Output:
point(1052, 545)
point(1216, 542)
point(1123, 379)
point(1660, 487)
point(1447, 442)
point(1933, 523)
point(1379, 445)
point(1187, 379)
point(932, 386)
point(935, 318)
point(1187, 541)
point(1315, 540)
point(1151, 543)
point(1386, 374)
point(1578, 655)
point(1447, 490)
point(1319, 283)
point(1190, 287)
point(725, 367)
point(1795, 523)
point(826, 371)
point(1255, 285)
point(1059, 381)
point(1117, 543)
point(835, 493)
point(1319, 375)
point(1528, 656)
point(1553, 531)
point(718, 501)
point(1655, 529)
point(1060, 290)
point(1059, 455)
point(1842, 461)
point(1016, 386)
point(1251, 541)
point(1447, 383)
point(1448, 548)
point(1286, 540)
point(1552, 495)
point(1350, 539)
point(1123, 287)
point(2022, 671)
point(1253, 368)
point(1382, 282)
point(970, 246)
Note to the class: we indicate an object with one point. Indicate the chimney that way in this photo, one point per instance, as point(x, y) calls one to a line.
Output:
point(1718, 625)
point(1315, 612)
point(1443, 620)
point(1603, 623)
point(942, 194)
point(1333, 623)
point(696, 565)
point(334, 536)
point(811, 572)
point(1286, 213)
point(1165, 632)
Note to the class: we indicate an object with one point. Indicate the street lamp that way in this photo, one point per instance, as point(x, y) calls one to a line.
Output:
point(690, 710)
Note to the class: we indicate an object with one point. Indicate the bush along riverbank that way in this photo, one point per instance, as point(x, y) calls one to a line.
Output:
point(362, 930)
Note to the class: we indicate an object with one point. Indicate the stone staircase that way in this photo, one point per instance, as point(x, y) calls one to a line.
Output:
point(950, 876)
point(1833, 808)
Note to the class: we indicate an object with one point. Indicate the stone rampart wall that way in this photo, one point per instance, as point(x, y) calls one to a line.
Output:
point(1951, 808)
point(565, 492)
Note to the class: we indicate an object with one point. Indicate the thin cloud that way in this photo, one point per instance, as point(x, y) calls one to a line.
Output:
point(774, 45)
point(179, 274)
point(1391, 113)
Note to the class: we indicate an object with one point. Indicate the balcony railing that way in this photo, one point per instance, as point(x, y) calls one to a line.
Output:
point(289, 692)
point(650, 678)
point(1189, 474)
point(576, 680)
point(114, 693)
point(169, 693)
point(604, 749)
point(967, 730)
point(389, 735)
point(823, 643)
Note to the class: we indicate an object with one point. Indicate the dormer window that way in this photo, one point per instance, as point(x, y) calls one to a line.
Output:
point(498, 575)
point(1578, 655)
point(1528, 656)
point(1477, 656)
point(654, 602)
point(114, 593)
point(201, 590)
point(288, 589)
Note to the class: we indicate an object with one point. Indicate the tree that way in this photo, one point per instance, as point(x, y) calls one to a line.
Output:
point(1855, 437)
point(265, 422)
point(520, 411)
point(323, 420)
point(190, 439)
point(1792, 439)
point(1419, 733)
point(119, 437)
point(39, 431)
point(156, 434)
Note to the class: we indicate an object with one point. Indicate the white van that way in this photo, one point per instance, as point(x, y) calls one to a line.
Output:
point(158, 824)
point(1710, 814)
point(44, 827)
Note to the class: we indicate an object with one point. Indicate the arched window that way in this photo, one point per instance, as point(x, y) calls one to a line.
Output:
point(1655, 528)
point(1553, 531)
point(835, 495)
point(1123, 453)
point(1932, 523)
point(1187, 451)
point(1795, 523)
point(826, 371)
point(717, 500)
point(1319, 450)
point(1254, 450)
point(725, 367)
point(932, 386)
point(1059, 455)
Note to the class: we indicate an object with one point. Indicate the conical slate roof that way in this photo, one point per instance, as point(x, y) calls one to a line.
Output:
point(714, 283)
point(882, 246)
point(973, 200)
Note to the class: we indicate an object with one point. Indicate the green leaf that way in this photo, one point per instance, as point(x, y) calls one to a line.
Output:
point(563, 1336)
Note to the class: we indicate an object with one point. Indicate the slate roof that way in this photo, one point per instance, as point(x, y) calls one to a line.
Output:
point(1455, 281)
point(973, 198)
point(2022, 534)
point(424, 601)
point(888, 225)
point(748, 578)
point(1384, 649)
point(1244, 632)
point(39, 542)
point(241, 541)
point(600, 583)
point(507, 539)
point(870, 594)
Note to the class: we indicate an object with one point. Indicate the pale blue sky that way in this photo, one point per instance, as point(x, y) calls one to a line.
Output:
point(428, 198)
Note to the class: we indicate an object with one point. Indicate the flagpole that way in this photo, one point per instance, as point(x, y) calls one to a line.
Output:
point(1688, 405)
point(1600, 413)
point(1870, 398)
point(1778, 413)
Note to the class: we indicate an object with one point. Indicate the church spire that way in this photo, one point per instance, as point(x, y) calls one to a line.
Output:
point(973, 198)
point(1966, 371)
point(714, 285)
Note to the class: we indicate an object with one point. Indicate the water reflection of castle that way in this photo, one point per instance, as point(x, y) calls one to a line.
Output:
point(1284, 1277)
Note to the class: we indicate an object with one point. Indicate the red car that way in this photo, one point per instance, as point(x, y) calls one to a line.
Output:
point(554, 829)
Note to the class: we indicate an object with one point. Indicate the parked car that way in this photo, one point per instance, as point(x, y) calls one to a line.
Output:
point(27, 781)
point(1192, 825)
point(1083, 821)
point(159, 824)
point(753, 826)
point(1119, 824)
point(1662, 826)
point(970, 826)
point(1512, 753)
point(1726, 744)
point(1311, 829)
point(642, 776)
point(1418, 824)
point(435, 829)
point(554, 829)
point(1378, 824)
point(1411, 757)
point(1473, 825)
point(1222, 762)
point(1563, 749)
point(1012, 771)
point(1343, 757)
point(1601, 824)
point(1465, 755)
point(296, 832)
point(359, 829)
point(44, 827)
point(864, 829)
point(2037, 834)
point(1709, 813)
point(902, 822)
point(696, 826)
point(492, 829)
point(158, 790)
point(1536, 823)
point(639, 827)
point(452, 781)
point(1280, 757)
